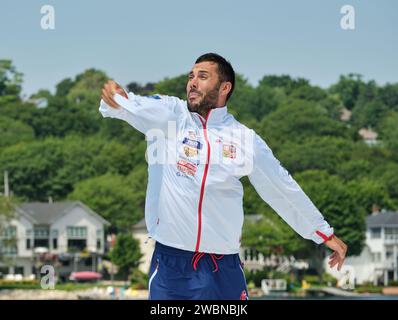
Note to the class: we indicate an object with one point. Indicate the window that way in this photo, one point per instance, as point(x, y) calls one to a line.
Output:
point(76, 245)
point(54, 235)
point(19, 270)
point(375, 233)
point(41, 232)
point(8, 241)
point(76, 238)
point(9, 232)
point(28, 244)
point(100, 236)
point(76, 232)
point(391, 233)
point(41, 243)
point(41, 237)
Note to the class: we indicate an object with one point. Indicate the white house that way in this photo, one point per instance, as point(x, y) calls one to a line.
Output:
point(67, 235)
point(378, 261)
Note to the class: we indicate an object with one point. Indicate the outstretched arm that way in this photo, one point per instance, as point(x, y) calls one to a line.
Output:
point(142, 112)
point(276, 187)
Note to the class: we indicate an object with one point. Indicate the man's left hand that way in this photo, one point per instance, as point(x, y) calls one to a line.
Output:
point(340, 250)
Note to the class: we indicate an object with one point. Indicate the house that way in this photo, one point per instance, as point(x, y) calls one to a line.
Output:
point(369, 136)
point(378, 261)
point(67, 235)
point(147, 245)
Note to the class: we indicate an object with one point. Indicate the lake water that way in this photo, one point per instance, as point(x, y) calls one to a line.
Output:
point(326, 297)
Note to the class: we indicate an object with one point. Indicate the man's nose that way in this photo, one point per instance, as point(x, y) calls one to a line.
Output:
point(193, 83)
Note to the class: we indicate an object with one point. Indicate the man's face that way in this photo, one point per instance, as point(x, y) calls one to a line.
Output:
point(203, 87)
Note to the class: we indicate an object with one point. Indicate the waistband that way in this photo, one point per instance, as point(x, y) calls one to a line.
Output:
point(195, 256)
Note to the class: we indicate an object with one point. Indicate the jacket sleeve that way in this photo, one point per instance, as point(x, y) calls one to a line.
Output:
point(145, 113)
point(277, 187)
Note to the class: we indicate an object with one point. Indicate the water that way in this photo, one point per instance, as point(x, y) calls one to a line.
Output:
point(325, 297)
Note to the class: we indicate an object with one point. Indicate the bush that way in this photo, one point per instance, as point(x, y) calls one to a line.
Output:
point(369, 289)
point(139, 280)
point(24, 284)
point(329, 278)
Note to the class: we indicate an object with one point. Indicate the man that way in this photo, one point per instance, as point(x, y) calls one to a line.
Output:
point(194, 201)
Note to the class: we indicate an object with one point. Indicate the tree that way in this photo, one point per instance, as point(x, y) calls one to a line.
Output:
point(348, 88)
point(368, 114)
point(387, 175)
point(389, 132)
point(335, 201)
point(120, 200)
point(10, 82)
point(86, 89)
point(271, 235)
point(298, 119)
point(126, 254)
point(173, 86)
point(322, 153)
point(287, 83)
point(14, 131)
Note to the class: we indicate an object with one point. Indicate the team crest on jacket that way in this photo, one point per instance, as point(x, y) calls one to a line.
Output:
point(229, 151)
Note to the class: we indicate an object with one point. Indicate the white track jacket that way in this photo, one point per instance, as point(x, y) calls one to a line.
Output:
point(194, 196)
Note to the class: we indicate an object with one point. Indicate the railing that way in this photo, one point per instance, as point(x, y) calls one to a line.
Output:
point(391, 238)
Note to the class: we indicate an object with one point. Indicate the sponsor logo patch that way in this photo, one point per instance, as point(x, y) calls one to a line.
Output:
point(190, 152)
point(229, 151)
point(192, 134)
point(192, 143)
point(186, 167)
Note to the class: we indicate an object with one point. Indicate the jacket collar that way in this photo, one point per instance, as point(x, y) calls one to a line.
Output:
point(214, 117)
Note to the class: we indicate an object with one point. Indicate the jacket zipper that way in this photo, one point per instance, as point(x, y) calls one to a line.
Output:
point(202, 188)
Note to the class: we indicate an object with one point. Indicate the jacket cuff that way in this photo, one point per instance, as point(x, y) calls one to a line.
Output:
point(321, 237)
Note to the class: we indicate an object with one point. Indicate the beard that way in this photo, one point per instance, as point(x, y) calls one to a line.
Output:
point(208, 101)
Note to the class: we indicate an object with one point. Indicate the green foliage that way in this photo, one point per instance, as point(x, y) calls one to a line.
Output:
point(119, 199)
point(126, 253)
point(296, 120)
point(389, 132)
point(10, 82)
point(338, 203)
point(173, 86)
point(348, 89)
point(139, 280)
point(14, 131)
point(322, 153)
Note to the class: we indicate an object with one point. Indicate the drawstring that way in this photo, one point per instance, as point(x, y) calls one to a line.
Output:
point(198, 255)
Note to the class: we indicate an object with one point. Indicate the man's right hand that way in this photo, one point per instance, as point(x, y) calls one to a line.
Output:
point(108, 92)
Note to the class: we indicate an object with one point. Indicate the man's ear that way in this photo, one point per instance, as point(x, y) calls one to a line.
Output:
point(226, 87)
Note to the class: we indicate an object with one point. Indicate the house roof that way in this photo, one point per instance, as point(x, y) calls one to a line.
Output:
point(368, 134)
point(382, 219)
point(140, 225)
point(48, 213)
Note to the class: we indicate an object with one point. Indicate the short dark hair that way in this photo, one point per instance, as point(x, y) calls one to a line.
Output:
point(224, 67)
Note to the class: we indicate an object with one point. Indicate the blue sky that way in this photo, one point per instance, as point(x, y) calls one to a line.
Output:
point(149, 40)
